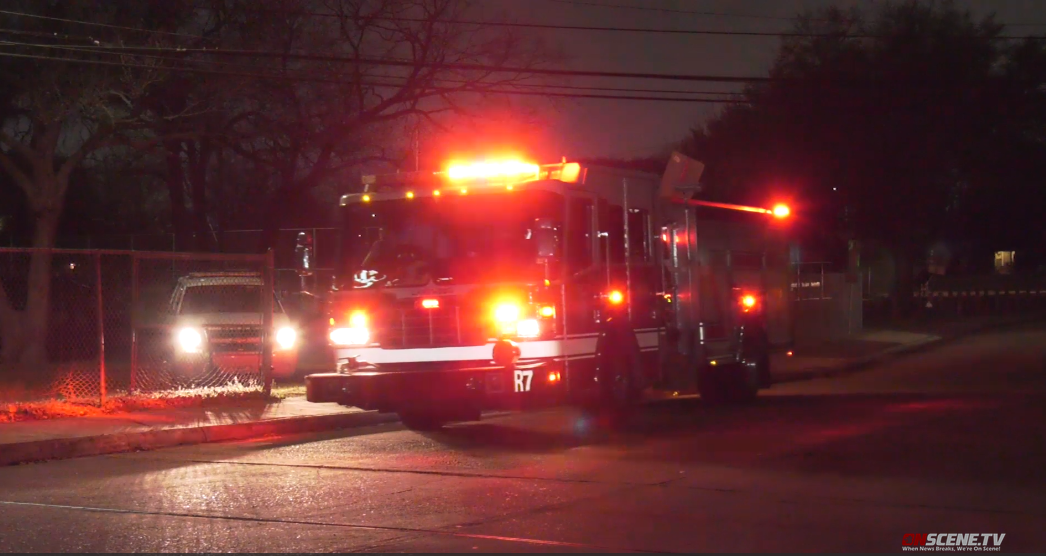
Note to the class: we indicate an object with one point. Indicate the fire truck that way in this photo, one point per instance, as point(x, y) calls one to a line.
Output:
point(509, 285)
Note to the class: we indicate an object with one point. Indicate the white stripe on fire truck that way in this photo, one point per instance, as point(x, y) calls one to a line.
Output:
point(528, 350)
point(571, 347)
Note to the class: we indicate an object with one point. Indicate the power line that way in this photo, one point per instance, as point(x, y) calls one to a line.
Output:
point(91, 23)
point(672, 11)
point(543, 86)
point(639, 30)
point(548, 26)
point(454, 66)
point(542, 89)
point(720, 14)
point(414, 64)
point(478, 91)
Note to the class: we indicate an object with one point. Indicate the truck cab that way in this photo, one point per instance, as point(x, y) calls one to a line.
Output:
point(516, 285)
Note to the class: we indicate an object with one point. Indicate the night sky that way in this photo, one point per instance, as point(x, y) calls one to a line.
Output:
point(590, 127)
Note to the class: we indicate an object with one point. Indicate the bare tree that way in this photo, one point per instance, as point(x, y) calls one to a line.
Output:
point(63, 106)
point(316, 117)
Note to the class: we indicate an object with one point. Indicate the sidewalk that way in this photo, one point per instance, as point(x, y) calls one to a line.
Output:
point(28, 441)
point(876, 345)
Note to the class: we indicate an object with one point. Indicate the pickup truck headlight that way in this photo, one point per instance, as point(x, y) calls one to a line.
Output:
point(286, 337)
point(190, 340)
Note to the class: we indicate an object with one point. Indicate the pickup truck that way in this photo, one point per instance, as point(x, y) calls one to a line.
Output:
point(215, 322)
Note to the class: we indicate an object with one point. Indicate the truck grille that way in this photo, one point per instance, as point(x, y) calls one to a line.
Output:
point(234, 338)
point(416, 328)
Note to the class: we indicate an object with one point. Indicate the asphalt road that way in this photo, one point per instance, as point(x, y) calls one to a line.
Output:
point(947, 441)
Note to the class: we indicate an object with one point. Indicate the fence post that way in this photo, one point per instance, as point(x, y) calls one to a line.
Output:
point(268, 291)
point(101, 327)
point(134, 323)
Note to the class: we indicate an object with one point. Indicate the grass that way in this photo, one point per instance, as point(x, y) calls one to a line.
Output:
point(290, 390)
point(122, 402)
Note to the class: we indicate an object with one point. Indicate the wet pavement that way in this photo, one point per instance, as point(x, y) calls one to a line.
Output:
point(944, 441)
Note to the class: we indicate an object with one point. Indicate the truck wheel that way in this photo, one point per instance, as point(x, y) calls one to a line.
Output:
point(618, 386)
point(712, 386)
point(421, 420)
point(755, 370)
point(729, 386)
point(735, 383)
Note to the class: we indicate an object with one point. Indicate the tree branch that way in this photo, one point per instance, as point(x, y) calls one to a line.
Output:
point(17, 146)
point(23, 181)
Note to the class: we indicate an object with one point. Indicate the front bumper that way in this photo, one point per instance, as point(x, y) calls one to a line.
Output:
point(527, 385)
point(284, 363)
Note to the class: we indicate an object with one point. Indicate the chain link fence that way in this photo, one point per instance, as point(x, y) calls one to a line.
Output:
point(84, 326)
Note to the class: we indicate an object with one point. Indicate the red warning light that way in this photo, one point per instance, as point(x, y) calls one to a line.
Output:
point(430, 304)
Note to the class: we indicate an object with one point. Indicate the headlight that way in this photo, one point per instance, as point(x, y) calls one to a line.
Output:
point(356, 334)
point(190, 340)
point(528, 328)
point(506, 313)
point(286, 337)
point(506, 317)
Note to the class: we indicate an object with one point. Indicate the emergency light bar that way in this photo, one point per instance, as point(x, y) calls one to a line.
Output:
point(509, 170)
point(459, 178)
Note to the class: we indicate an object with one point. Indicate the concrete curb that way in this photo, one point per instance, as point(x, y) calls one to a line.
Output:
point(66, 448)
point(896, 352)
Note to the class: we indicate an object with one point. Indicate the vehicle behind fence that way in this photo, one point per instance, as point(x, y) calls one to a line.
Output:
point(151, 324)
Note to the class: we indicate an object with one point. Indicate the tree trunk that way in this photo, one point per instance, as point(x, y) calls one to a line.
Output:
point(38, 301)
point(198, 165)
point(176, 194)
point(10, 331)
point(286, 198)
point(283, 201)
point(23, 334)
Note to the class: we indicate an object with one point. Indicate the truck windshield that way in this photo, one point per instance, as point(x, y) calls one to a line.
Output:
point(224, 298)
point(453, 239)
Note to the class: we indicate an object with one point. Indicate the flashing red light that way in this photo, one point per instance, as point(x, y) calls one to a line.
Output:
point(615, 297)
point(781, 211)
point(430, 304)
point(748, 302)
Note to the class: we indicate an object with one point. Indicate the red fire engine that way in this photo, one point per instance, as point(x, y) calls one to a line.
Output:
point(516, 285)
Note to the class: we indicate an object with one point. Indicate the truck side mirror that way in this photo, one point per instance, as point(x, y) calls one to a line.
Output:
point(547, 237)
point(303, 254)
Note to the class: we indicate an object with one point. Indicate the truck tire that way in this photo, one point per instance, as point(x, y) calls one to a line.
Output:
point(422, 420)
point(739, 382)
point(618, 382)
point(755, 368)
point(712, 385)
